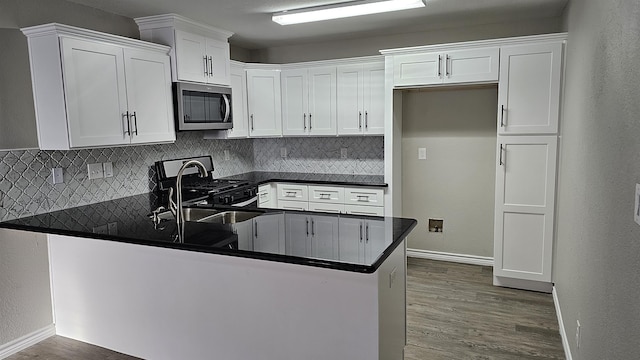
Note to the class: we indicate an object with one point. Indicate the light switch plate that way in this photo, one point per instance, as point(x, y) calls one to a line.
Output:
point(57, 176)
point(283, 152)
point(95, 171)
point(107, 167)
point(422, 153)
point(636, 209)
point(226, 155)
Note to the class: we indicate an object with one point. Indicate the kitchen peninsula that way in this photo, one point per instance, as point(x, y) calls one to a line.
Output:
point(264, 288)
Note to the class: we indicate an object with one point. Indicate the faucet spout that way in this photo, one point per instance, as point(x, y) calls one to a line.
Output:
point(202, 172)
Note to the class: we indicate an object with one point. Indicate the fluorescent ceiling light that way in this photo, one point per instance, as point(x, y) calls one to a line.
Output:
point(343, 10)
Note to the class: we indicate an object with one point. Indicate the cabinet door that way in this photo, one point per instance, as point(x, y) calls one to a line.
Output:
point(295, 102)
point(418, 69)
point(350, 99)
point(238, 103)
point(364, 210)
point(475, 65)
point(268, 233)
point(525, 193)
point(149, 96)
point(263, 96)
point(95, 93)
point(297, 234)
point(529, 89)
point(244, 230)
point(322, 101)
point(375, 239)
point(324, 237)
point(373, 106)
point(351, 245)
point(219, 69)
point(191, 60)
point(327, 207)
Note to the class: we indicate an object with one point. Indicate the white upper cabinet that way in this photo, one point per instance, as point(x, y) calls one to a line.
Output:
point(200, 52)
point(239, 102)
point(264, 103)
point(93, 89)
point(529, 89)
point(360, 102)
point(524, 210)
point(309, 101)
point(446, 67)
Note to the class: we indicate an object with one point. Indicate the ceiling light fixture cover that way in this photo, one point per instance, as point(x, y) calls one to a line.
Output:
point(343, 10)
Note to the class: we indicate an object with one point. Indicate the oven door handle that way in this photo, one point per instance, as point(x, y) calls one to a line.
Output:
point(227, 108)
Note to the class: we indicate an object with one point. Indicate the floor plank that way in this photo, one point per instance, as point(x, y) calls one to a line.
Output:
point(453, 312)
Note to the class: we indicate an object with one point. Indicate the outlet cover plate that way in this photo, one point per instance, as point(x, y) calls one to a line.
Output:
point(95, 171)
point(226, 155)
point(57, 176)
point(107, 167)
point(283, 152)
point(422, 153)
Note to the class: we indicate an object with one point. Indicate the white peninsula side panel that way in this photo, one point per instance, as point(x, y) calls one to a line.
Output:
point(158, 303)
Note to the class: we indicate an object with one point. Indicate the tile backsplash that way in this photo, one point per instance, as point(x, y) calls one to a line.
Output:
point(365, 155)
point(25, 175)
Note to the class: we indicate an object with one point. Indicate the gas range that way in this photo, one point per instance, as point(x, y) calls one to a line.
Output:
point(196, 189)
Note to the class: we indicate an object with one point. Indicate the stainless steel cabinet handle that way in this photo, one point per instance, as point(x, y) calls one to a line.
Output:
point(309, 121)
point(366, 119)
point(210, 66)
point(251, 122)
point(367, 233)
point(255, 228)
point(439, 65)
point(305, 121)
point(325, 196)
point(502, 116)
point(360, 232)
point(290, 193)
point(206, 66)
point(362, 197)
point(128, 131)
point(360, 120)
point(446, 65)
point(313, 228)
point(500, 161)
point(307, 227)
point(135, 122)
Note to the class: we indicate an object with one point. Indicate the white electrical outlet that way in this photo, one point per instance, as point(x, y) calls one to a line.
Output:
point(57, 176)
point(95, 171)
point(343, 153)
point(283, 152)
point(578, 334)
point(107, 167)
point(226, 155)
point(422, 153)
point(636, 209)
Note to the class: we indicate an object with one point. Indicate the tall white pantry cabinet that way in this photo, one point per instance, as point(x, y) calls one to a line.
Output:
point(528, 72)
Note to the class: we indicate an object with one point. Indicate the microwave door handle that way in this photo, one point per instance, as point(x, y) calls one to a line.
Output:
point(227, 108)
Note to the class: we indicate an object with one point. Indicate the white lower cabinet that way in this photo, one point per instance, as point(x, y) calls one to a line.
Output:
point(266, 196)
point(244, 231)
point(311, 235)
point(93, 89)
point(269, 234)
point(330, 199)
point(525, 202)
point(360, 239)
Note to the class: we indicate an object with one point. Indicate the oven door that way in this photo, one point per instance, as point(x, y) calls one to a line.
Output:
point(203, 107)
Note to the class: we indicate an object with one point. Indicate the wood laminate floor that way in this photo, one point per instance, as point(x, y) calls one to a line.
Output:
point(453, 312)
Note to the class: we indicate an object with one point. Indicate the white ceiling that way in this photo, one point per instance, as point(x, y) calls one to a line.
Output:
point(250, 20)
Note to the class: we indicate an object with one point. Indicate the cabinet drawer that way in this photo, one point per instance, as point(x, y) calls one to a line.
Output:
point(364, 196)
point(293, 205)
point(326, 194)
point(326, 207)
point(294, 192)
point(364, 210)
point(264, 194)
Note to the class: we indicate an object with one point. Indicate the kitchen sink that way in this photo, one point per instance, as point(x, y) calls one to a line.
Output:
point(211, 215)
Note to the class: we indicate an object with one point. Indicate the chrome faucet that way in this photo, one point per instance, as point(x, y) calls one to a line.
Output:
point(177, 206)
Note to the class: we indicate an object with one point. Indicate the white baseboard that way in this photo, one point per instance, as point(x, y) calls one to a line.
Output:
point(443, 256)
point(563, 333)
point(24, 342)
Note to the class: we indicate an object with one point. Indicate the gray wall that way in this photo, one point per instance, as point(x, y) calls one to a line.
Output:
point(597, 262)
point(371, 46)
point(456, 182)
point(25, 295)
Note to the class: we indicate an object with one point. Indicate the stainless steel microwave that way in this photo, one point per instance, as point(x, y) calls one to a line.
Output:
point(202, 107)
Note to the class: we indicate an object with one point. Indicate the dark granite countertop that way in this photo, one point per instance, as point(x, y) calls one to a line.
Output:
point(339, 246)
point(261, 177)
